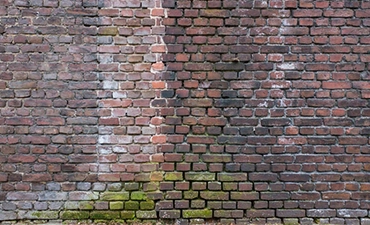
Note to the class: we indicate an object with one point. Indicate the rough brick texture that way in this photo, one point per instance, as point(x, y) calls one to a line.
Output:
point(188, 111)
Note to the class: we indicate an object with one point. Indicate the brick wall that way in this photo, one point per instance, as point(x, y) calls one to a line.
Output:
point(188, 111)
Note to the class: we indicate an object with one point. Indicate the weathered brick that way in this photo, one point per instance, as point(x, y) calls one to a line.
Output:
point(294, 213)
point(21, 196)
point(305, 196)
point(8, 216)
point(228, 213)
point(351, 213)
point(260, 213)
point(229, 103)
point(105, 215)
point(203, 213)
point(275, 122)
point(226, 110)
point(169, 214)
point(232, 177)
point(214, 195)
point(200, 176)
point(274, 196)
point(321, 213)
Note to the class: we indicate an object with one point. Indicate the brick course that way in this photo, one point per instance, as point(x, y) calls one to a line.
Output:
point(188, 111)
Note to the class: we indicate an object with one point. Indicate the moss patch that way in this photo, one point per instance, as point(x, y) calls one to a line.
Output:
point(116, 205)
point(190, 194)
point(173, 176)
point(132, 205)
point(75, 215)
point(146, 214)
point(115, 196)
point(200, 176)
point(86, 205)
point(108, 31)
point(42, 215)
point(128, 214)
point(203, 213)
point(105, 215)
point(138, 195)
point(147, 205)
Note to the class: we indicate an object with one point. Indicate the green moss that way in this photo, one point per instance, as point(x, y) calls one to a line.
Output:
point(86, 205)
point(156, 176)
point(151, 186)
point(132, 205)
point(146, 214)
point(108, 31)
point(138, 195)
point(200, 176)
point(173, 176)
point(75, 215)
point(291, 221)
point(116, 205)
point(105, 215)
point(147, 205)
point(115, 196)
point(190, 194)
point(43, 215)
point(203, 213)
point(128, 214)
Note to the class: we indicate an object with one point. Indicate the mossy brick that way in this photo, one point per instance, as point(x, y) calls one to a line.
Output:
point(291, 221)
point(83, 196)
point(191, 194)
point(127, 214)
point(108, 30)
point(197, 213)
point(173, 176)
point(47, 215)
point(115, 205)
point(105, 215)
point(115, 187)
point(86, 205)
point(150, 186)
point(200, 176)
point(74, 215)
point(115, 196)
point(71, 205)
point(146, 214)
point(244, 195)
point(147, 205)
point(156, 176)
point(232, 177)
point(131, 205)
point(229, 186)
point(214, 195)
point(198, 204)
point(138, 195)
point(228, 213)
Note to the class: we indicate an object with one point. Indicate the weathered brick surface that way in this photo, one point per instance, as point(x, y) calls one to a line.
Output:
point(195, 111)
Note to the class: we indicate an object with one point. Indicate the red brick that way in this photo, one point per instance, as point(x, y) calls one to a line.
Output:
point(293, 213)
point(37, 177)
point(336, 195)
point(307, 13)
point(260, 213)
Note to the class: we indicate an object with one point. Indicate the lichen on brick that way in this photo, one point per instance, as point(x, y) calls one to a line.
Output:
point(105, 215)
point(197, 213)
point(75, 215)
point(115, 196)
